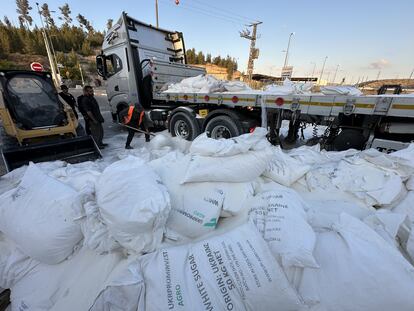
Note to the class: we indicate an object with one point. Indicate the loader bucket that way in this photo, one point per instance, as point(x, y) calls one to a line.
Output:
point(73, 150)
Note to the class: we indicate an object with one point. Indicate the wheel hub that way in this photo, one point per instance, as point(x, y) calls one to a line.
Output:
point(181, 129)
point(220, 131)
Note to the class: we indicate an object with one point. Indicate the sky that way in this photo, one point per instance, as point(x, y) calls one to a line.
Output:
point(366, 38)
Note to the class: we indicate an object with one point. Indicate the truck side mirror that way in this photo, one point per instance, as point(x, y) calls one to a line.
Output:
point(100, 66)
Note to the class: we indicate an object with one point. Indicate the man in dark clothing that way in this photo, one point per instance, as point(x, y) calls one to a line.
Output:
point(83, 112)
point(134, 117)
point(68, 98)
point(89, 107)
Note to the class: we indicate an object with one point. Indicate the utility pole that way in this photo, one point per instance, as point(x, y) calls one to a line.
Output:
point(156, 12)
point(336, 71)
point(378, 75)
point(411, 75)
point(52, 62)
point(254, 53)
point(313, 70)
point(81, 73)
point(323, 68)
point(287, 50)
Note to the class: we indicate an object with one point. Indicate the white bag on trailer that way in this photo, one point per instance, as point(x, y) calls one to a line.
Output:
point(133, 203)
point(233, 271)
point(358, 271)
point(38, 216)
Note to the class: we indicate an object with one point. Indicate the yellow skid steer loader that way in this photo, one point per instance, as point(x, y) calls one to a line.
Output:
point(37, 125)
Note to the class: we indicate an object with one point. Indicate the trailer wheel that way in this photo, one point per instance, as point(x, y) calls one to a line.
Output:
point(223, 127)
point(183, 125)
point(349, 139)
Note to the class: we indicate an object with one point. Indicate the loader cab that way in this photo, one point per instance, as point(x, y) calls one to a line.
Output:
point(31, 100)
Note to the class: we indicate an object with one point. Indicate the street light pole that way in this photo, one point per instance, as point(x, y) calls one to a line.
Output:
point(411, 75)
point(52, 62)
point(287, 50)
point(156, 12)
point(313, 70)
point(323, 68)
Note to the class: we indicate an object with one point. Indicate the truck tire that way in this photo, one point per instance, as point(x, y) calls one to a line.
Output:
point(349, 139)
point(184, 125)
point(223, 127)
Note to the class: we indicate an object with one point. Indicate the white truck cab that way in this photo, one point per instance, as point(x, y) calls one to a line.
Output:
point(137, 59)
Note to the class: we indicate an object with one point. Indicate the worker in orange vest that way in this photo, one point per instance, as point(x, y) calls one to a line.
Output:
point(134, 116)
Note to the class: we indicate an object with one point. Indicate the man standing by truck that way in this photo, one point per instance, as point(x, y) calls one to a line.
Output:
point(68, 98)
point(134, 117)
point(92, 114)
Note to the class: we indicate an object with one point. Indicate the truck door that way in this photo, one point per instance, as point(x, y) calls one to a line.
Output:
point(117, 76)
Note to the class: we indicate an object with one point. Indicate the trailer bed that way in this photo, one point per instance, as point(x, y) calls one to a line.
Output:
point(318, 104)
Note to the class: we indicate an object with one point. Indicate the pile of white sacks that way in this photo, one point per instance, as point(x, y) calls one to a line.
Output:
point(212, 225)
point(207, 84)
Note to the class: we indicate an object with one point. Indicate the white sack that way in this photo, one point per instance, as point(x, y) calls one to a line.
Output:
point(236, 86)
point(285, 169)
point(323, 214)
point(14, 265)
point(196, 207)
point(410, 183)
point(341, 90)
point(133, 204)
point(386, 224)
point(70, 285)
point(123, 290)
point(38, 216)
point(233, 271)
point(358, 271)
point(206, 146)
point(242, 167)
point(368, 182)
point(280, 218)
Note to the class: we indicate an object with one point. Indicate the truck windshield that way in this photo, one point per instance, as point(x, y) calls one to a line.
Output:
point(33, 102)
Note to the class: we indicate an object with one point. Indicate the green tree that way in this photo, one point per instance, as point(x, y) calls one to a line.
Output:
point(86, 48)
point(65, 11)
point(7, 22)
point(23, 9)
point(84, 23)
point(200, 58)
point(45, 12)
point(208, 58)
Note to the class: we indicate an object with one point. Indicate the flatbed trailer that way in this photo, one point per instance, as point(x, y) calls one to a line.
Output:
point(144, 59)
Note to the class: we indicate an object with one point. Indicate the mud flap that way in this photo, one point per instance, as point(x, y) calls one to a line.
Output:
point(73, 150)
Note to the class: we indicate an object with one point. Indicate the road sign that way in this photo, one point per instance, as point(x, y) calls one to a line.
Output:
point(36, 66)
point(287, 72)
